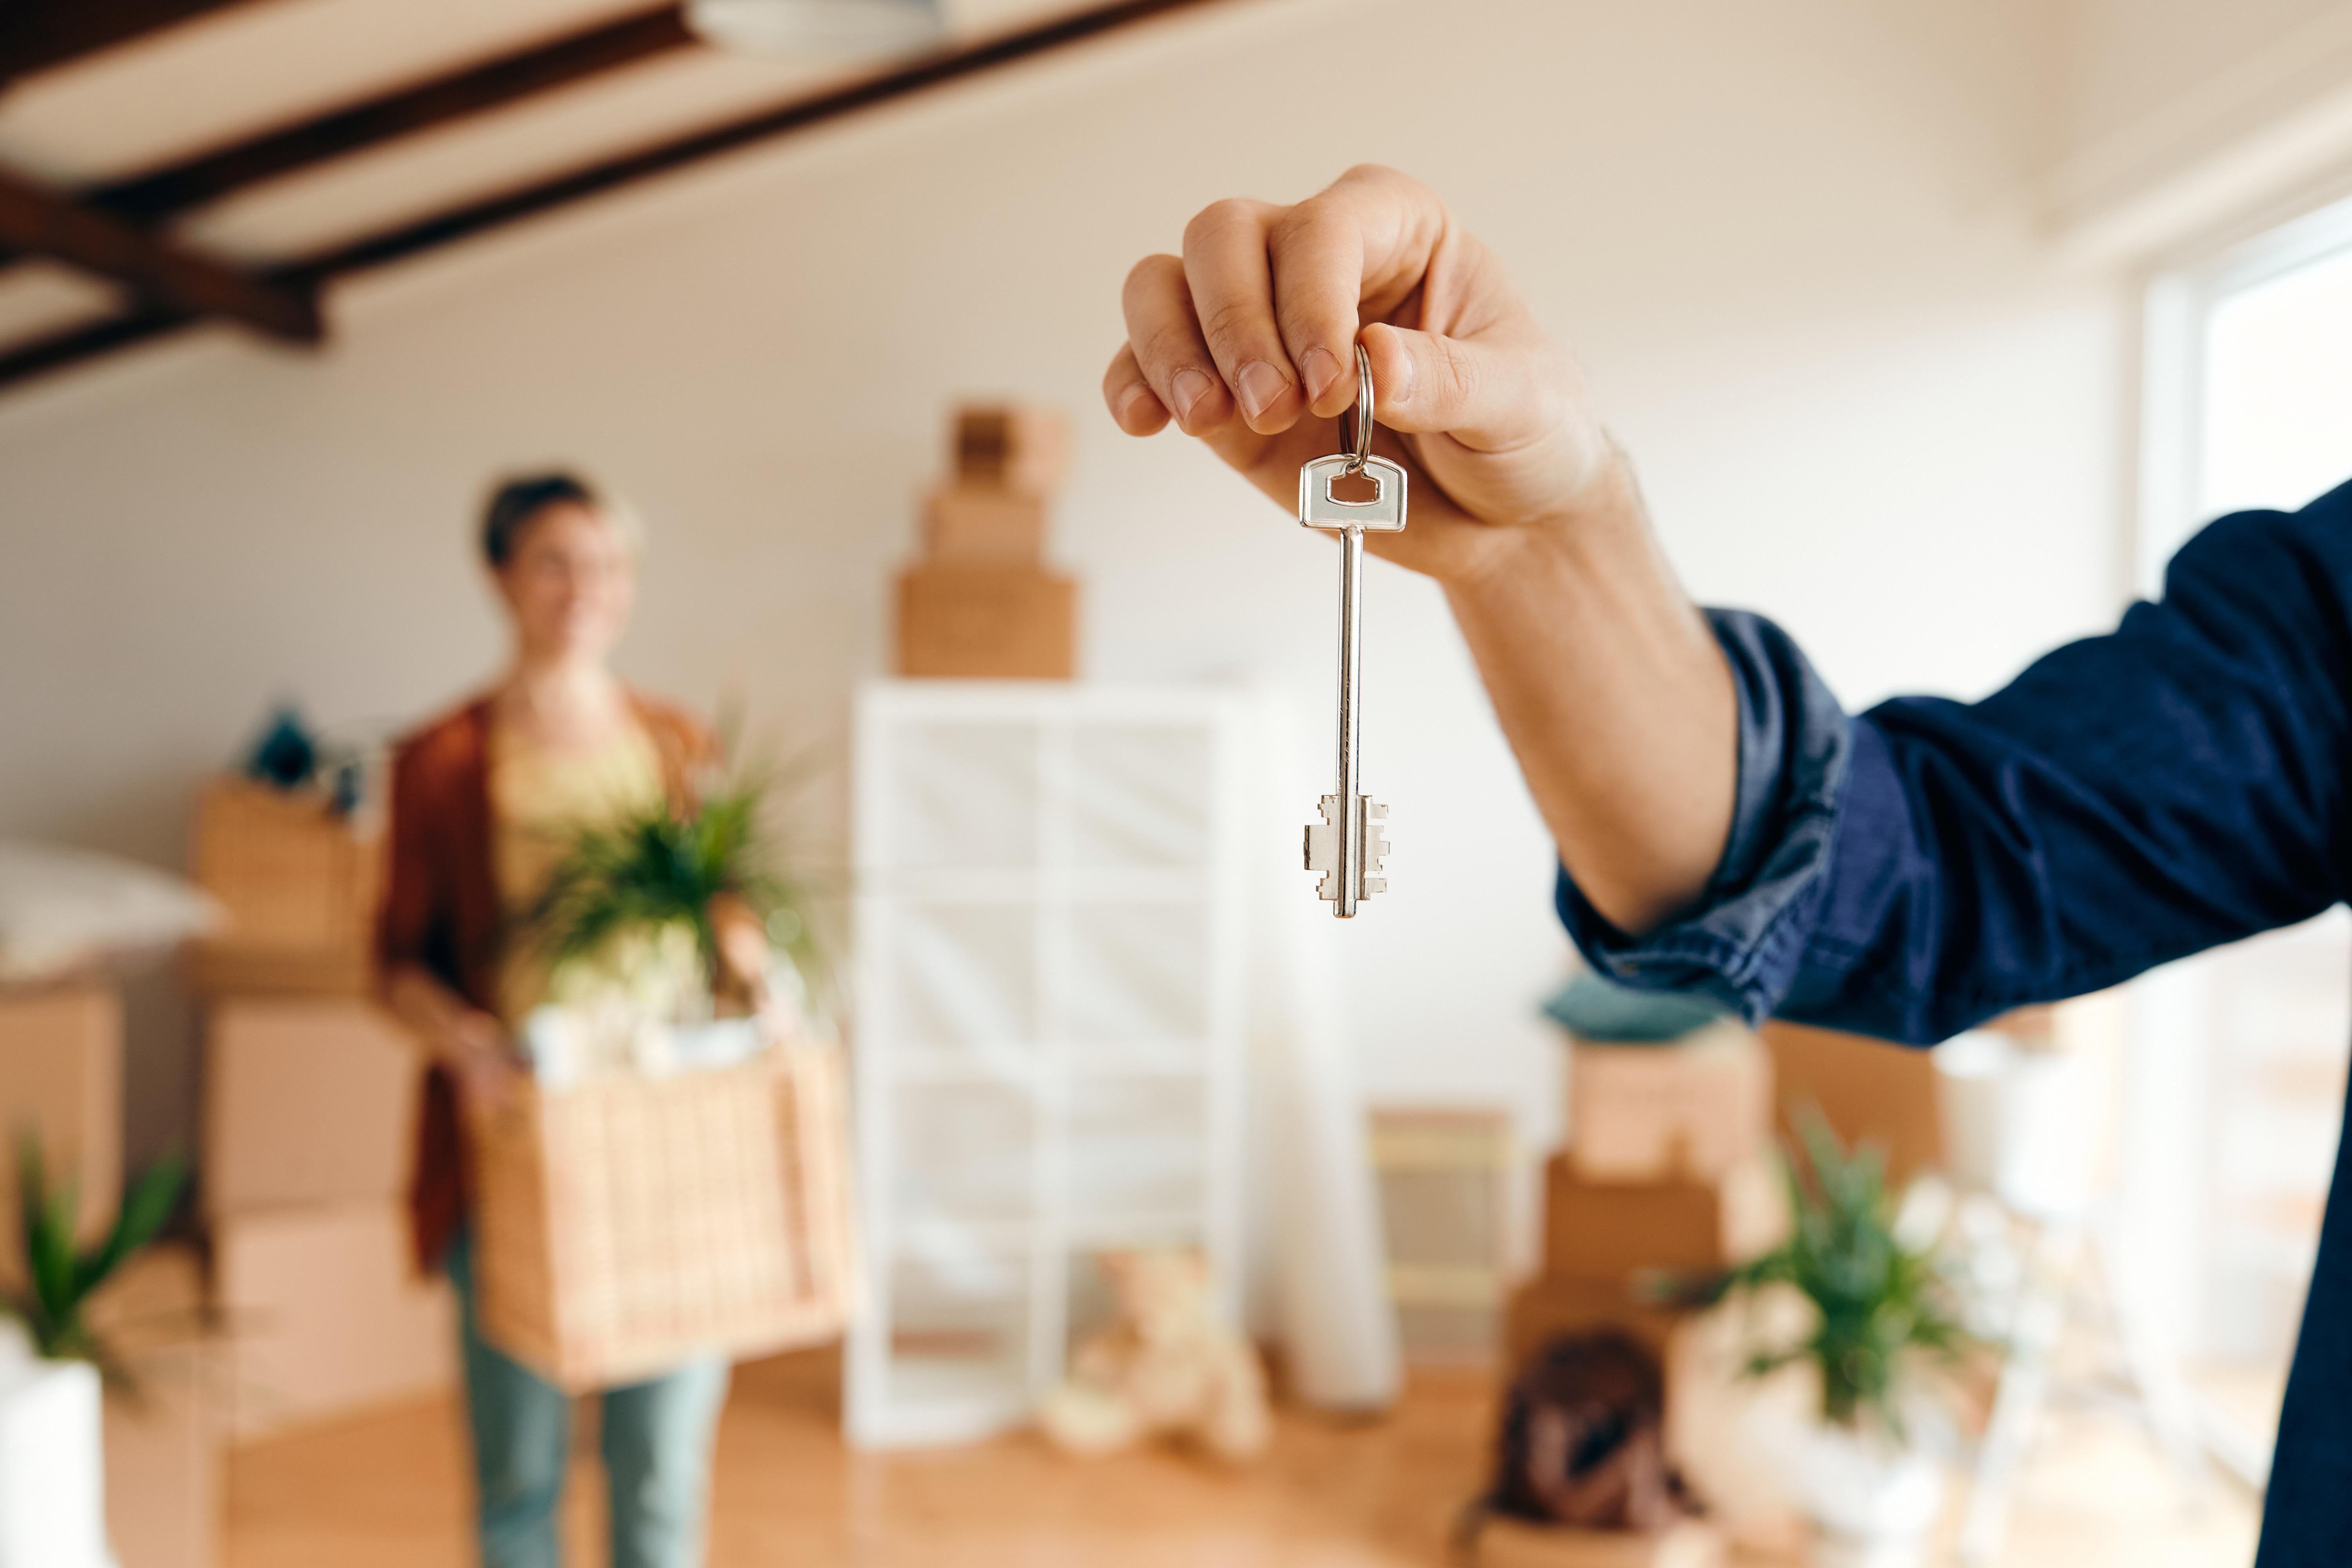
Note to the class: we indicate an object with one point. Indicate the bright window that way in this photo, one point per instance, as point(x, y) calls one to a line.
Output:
point(2236, 1081)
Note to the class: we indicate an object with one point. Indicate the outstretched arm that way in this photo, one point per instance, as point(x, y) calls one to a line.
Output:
point(1723, 824)
point(1605, 678)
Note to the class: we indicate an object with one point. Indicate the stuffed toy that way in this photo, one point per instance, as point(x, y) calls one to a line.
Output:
point(1167, 1367)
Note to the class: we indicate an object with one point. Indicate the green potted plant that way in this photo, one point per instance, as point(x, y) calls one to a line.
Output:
point(650, 924)
point(1883, 1318)
point(53, 1363)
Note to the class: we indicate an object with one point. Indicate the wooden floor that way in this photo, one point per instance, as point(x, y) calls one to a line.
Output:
point(387, 1491)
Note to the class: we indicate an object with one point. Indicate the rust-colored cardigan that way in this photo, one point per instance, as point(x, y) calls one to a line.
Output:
point(441, 910)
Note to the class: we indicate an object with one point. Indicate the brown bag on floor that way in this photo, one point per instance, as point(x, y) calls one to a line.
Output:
point(1583, 1439)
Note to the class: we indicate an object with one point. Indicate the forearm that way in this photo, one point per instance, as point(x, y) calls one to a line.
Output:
point(1616, 699)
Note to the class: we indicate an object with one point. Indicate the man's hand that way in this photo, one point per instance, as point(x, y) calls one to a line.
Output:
point(1248, 341)
point(1607, 681)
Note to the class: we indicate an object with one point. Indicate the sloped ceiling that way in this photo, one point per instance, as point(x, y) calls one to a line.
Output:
point(236, 156)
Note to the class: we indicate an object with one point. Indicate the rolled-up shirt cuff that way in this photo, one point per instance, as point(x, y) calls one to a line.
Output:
point(1742, 943)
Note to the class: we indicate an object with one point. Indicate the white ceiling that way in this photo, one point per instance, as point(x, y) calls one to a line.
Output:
point(255, 67)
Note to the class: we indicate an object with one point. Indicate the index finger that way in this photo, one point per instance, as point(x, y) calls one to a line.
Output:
point(1350, 254)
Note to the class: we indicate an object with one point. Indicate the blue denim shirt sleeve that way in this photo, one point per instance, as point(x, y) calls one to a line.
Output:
point(2129, 799)
point(1743, 945)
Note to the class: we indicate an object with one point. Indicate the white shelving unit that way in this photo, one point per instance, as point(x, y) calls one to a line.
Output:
point(1049, 1000)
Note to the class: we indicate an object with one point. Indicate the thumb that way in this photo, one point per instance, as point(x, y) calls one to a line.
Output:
point(1490, 397)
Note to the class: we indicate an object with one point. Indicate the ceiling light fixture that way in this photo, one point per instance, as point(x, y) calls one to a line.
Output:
point(837, 28)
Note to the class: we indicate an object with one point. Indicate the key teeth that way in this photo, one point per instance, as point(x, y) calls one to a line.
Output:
point(1322, 846)
point(1376, 849)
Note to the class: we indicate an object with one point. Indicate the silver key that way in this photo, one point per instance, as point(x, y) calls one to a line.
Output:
point(1348, 845)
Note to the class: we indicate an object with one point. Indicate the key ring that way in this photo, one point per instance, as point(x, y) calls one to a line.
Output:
point(1360, 449)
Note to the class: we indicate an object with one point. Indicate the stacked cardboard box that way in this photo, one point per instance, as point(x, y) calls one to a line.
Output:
point(1507, 1543)
point(164, 1470)
point(982, 603)
point(298, 881)
point(1868, 1090)
point(61, 1080)
point(310, 1102)
point(1666, 1174)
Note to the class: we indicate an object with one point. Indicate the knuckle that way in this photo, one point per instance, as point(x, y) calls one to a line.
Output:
point(1165, 350)
point(1461, 370)
point(1311, 322)
point(1374, 175)
point(1149, 275)
point(1300, 217)
point(1217, 218)
point(1233, 323)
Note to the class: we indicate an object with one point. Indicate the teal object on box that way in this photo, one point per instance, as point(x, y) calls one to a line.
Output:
point(1592, 1008)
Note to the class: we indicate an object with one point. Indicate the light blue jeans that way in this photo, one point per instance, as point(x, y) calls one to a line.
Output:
point(656, 1441)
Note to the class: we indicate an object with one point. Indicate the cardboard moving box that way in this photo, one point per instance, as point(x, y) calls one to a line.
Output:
point(1552, 1307)
point(987, 621)
point(165, 1491)
point(308, 1102)
point(1012, 447)
point(324, 1315)
point(1609, 1231)
point(1868, 1090)
point(1511, 1544)
point(300, 886)
point(1694, 1107)
point(964, 524)
point(62, 1078)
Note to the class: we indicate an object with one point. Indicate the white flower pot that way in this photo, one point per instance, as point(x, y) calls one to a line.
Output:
point(2019, 1124)
point(1876, 1500)
point(52, 1463)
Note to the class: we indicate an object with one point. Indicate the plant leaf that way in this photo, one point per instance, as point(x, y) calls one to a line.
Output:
point(144, 1212)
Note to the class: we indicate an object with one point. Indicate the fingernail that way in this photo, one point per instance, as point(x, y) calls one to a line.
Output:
point(1261, 383)
point(1129, 403)
point(1190, 386)
point(1321, 368)
point(1403, 391)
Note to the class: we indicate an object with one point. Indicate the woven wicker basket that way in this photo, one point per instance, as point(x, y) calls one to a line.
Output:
point(627, 1224)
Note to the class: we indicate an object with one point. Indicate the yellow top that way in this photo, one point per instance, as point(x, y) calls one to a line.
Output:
point(538, 799)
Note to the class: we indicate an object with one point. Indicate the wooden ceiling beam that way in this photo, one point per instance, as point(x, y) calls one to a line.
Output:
point(156, 271)
point(933, 70)
point(404, 111)
point(38, 34)
point(924, 72)
point(89, 339)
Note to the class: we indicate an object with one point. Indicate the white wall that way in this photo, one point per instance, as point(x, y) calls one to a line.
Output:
point(2173, 121)
point(1792, 243)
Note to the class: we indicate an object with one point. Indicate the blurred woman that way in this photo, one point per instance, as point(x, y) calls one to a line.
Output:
point(482, 802)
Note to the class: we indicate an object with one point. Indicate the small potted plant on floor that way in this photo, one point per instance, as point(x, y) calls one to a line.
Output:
point(53, 1362)
point(1883, 1318)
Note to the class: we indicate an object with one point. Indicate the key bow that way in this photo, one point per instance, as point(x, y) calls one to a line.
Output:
point(1318, 508)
